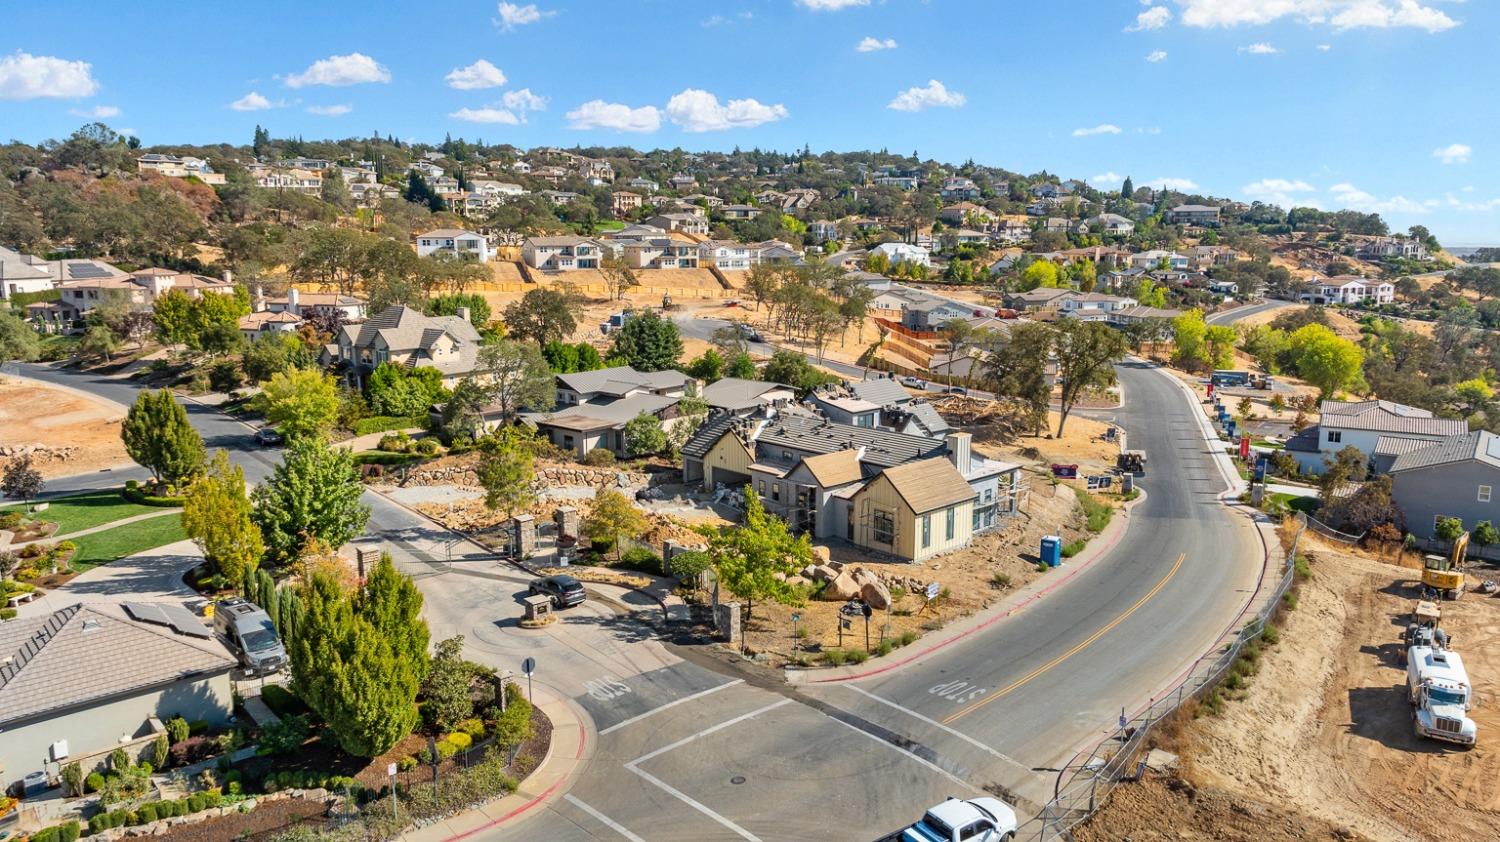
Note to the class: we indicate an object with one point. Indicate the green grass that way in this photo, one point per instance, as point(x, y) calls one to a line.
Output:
point(609, 225)
point(1273, 445)
point(1094, 510)
point(104, 547)
point(86, 511)
point(1297, 503)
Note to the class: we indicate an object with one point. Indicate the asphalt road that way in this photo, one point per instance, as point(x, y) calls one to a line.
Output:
point(1229, 317)
point(683, 751)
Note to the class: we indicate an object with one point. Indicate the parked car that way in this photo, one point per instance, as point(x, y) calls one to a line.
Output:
point(974, 820)
point(957, 390)
point(913, 382)
point(247, 629)
point(268, 437)
point(748, 333)
point(565, 591)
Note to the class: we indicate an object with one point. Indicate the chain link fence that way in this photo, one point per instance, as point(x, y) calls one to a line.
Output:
point(1117, 758)
point(1330, 533)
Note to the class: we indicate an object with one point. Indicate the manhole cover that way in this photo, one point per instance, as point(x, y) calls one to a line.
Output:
point(737, 779)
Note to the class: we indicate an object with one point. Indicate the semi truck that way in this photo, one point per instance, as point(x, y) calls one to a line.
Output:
point(1438, 688)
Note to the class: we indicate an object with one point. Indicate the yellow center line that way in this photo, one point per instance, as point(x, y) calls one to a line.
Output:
point(1071, 652)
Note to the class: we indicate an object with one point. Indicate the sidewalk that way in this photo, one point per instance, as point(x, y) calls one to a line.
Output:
point(1098, 547)
point(571, 749)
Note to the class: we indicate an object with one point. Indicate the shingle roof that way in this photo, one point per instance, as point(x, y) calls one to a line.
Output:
point(708, 434)
point(1387, 417)
point(834, 469)
point(881, 390)
point(621, 379)
point(406, 330)
point(735, 393)
point(814, 434)
point(929, 484)
point(93, 651)
point(1478, 446)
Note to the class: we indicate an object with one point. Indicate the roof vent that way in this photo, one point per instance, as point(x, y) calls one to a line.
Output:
point(90, 624)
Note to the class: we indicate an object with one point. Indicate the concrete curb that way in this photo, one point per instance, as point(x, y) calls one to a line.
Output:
point(1098, 548)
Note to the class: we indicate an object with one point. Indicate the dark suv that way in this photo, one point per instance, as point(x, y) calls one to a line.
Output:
point(565, 591)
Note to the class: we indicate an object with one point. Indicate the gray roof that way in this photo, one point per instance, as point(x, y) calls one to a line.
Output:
point(620, 380)
point(735, 393)
point(881, 390)
point(1478, 446)
point(928, 417)
point(819, 435)
point(592, 416)
point(90, 652)
point(1387, 417)
point(406, 330)
point(708, 434)
point(1396, 445)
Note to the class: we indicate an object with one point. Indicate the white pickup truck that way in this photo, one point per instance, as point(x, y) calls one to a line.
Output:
point(959, 820)
point(1438, 688)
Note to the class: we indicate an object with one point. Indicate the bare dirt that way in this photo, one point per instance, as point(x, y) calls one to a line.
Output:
point(1324, 728)
point(69, 433)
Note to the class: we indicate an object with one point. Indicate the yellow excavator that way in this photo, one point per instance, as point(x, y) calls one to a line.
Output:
point(1446, 575)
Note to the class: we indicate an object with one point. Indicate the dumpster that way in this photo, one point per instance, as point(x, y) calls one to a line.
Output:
point(1052, 550)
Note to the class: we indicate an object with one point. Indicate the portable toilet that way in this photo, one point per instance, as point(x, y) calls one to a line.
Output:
point(1052, 550)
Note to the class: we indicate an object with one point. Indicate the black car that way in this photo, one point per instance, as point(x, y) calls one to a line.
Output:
point(268, 436)
point(565, 591)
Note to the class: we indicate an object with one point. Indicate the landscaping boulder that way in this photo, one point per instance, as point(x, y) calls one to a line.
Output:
point(864, 577)
point(808, 572)
point(876, 595)
point(821, 555)
point(778, 576)
point(841, 588)
point(823, 573)
point(798, 580)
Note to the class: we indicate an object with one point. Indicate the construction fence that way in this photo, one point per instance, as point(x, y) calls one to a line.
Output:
point(1118, 759)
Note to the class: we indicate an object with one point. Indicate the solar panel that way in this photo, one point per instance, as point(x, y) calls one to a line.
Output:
point(175, 617)
point(86, 271)
point(146, 612)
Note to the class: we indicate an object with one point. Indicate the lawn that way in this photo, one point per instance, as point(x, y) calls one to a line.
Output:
point(1296, 503)
point(85, 511)
point(104, 547)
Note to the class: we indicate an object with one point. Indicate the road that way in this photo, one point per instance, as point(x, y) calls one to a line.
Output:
point(1229, 317)
point(686, 751)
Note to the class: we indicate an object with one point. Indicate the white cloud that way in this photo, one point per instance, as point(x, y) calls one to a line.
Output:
point(25, 76)
point(598, 114)
point(524, 100)
point(1180, 184)
point(480, 74)
point(831, 5)
point(1323, 48)
point(339, 71)
point(870, 45)
point(1356, 199)
point(1155, 17)
point(1156, 55)
point(1478, 207)
point(1340, 14)
point(1457, 153)
point(1102, 128)
point(720, 20)
point(512, 16)
point(700, 111)
point(1279, 191)
point(252, 102)
point(98, 112)
point(329, 110)
point(933, 95)
point(488, 114)
point(1110, 178)
point(1260, 49)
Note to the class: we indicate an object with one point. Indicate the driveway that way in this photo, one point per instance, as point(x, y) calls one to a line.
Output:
point(155, 575)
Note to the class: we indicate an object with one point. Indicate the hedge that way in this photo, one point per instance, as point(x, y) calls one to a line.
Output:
point(387, 423)
point(141, 498)
point(381, 457)
point(65, 832)
point(153, 811)
point(282, 701)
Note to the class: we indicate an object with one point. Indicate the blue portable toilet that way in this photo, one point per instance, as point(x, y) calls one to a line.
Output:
point(1052, 550)
point(1230, 427)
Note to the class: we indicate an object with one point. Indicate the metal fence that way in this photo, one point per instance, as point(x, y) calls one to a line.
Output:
point(1116, 758)
point(1330, 533)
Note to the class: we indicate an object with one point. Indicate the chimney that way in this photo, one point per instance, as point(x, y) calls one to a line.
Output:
point(958, 451)
point(462, 313)
point(293, 301)
point(258, 299)
point(228, 276)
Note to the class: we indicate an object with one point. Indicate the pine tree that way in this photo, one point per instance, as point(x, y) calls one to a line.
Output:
point(1127, 189)
point(159, 437)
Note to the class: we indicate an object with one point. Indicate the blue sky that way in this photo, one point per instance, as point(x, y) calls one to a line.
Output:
point(1371, 104)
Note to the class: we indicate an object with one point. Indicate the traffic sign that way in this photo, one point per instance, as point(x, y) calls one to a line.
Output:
point(796, 617)
point(867, 610)
point(528, 667)
point(390, 770)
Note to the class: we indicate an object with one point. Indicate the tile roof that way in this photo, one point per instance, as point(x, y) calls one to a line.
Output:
point(1396, 445)
point(884, 391)
point(448, 233)
point(1478, 446)
point(929, 484)
point(90, 652)
point(1387, 417)
point(407, 330)
point(593, 416)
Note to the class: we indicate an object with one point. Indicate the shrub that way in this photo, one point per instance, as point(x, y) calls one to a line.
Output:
point(119, 761)
point(282, 701)
point(473, 727)
point(1271, 635)
point(1073, 548)
point(141, 498)
point(407, 763)
point(398, 442)
point(858, 656)
point(907, 638)
point(835, 657)
point(93, 783)
point(10, 520)
point(226, 376)
point(177, 729)
point(445, 749)
point(514, 725)
point(1095, 512)
point(386, 423)
point(159, 748)
point(885, 647)
point(284, 737)
point(196, 803)
point(7, 613)
point(642, 559)
point(427, 447)
point(198, 726)
point(193, 749)
point(1000, 580)
point(460, 740)
point(146, 813)
point(1041, 567)
point(1304, 570)
point(65, 832)
point(599, 457)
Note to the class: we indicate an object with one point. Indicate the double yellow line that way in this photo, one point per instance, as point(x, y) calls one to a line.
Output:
point(1071, 652)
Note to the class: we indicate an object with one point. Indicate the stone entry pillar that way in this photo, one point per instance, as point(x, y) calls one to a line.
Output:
point(525, 535)
point(727, 621)
point(566, 518)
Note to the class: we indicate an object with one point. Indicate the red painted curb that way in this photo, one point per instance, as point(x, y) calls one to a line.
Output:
point(582, 739)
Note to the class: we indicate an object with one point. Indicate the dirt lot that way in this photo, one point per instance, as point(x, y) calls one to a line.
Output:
point(1325, 728)
point(75, 434)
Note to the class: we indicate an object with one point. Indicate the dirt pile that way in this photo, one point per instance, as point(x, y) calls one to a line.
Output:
point(1169, 808)
point(75, 434)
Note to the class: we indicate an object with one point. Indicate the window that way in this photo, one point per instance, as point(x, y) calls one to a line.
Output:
point(949, 529)
point(776, 491)
point(762, 488)
point(975, 525)
point(1436, 519)
point(1484, 493)
point(864, 421)
point(975, 830)
point(1335, 436)
point(884, 527)
point(926, 531)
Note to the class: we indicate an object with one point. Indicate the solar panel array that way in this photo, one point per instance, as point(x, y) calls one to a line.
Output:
point(175, 617)
point(86, 271)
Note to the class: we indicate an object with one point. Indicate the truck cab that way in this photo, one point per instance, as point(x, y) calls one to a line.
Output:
point(959, 820)
point(247, 629)
point(1438, 688)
